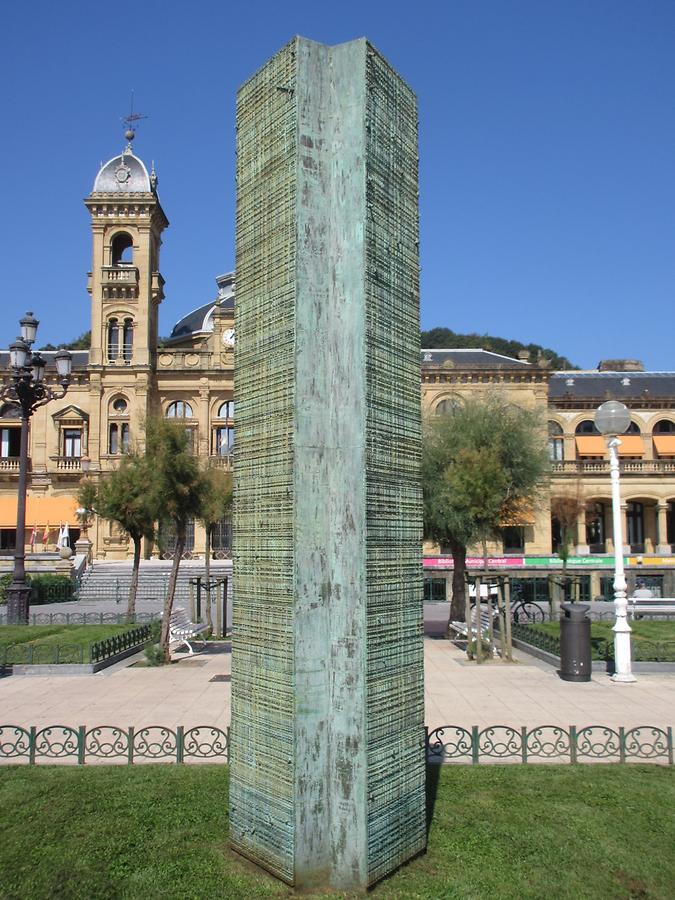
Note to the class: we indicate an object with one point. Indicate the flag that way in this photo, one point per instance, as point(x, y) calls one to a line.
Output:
point(60, 537)
point(33, 536)
point(45, 534)
point(65, 537)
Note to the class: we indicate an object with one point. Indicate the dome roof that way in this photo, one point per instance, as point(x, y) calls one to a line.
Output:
point(123, 174)
point(200, 320)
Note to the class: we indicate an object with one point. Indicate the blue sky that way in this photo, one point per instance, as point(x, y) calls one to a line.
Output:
point(547, 145)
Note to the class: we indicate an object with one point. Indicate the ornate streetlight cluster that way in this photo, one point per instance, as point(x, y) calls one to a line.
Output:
point(28, 390)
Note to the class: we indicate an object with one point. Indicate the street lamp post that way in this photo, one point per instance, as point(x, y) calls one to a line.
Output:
point(28, 390)
point(612, 419)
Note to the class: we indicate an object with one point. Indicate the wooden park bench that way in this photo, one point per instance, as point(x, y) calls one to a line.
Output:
point(655, 606)
point(182, 630)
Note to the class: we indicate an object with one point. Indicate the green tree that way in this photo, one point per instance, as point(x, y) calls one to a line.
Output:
point(565, 510)
point(216, 507)
point(481, 462)
point(176, 489)
point(446, 338)
point(124, 497)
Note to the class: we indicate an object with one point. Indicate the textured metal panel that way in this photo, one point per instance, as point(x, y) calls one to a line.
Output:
point(327, 726)
point(263, 710)
point(395, 706)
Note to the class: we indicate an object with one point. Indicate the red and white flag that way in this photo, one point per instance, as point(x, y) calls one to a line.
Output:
point(45, 534)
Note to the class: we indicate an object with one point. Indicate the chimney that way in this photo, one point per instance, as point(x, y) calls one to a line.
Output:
point(621, 365)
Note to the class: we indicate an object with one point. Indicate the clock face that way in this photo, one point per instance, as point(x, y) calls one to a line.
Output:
point(228, 337)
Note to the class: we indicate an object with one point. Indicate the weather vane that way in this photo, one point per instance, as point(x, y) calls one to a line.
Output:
point(130, 121)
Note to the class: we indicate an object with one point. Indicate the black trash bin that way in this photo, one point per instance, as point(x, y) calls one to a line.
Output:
point(575, 642)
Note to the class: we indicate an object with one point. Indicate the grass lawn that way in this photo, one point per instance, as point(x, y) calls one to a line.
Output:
point(646, 633)
point(497, 832)
point(49, 636)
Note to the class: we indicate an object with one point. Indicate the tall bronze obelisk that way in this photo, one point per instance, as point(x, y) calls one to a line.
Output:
point(327, 738)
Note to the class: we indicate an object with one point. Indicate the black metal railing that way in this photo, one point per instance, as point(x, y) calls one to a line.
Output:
point(90, 618)
point(642, 649)
point(448, 744)
point(30, 654)
point(118, 643)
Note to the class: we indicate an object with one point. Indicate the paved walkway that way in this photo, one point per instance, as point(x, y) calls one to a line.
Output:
point(196, 691)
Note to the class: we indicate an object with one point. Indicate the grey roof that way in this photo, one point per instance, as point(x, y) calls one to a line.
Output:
point(80, 359)
point(611, 385)
point(471, 358)
point(123, 174)
point(201, 319)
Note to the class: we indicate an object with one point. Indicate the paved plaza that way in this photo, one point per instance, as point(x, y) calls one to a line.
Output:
point(196, 691)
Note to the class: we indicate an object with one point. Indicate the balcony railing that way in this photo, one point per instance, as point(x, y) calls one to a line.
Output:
point(627, 467)
point(9, 464)
point(223, 461)
point(120, 275)
point(67, 463)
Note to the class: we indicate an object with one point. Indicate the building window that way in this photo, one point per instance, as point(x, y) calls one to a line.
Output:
point(556, 444)
point(513, 537)
point(127, 340)
point(118, 437)
point(221, 537)
point(586, 427)
point(119, 406)
point(179, 409)
point(113, 339)
point(595, 527)
point(434, 590)
point(635, 516)
point(226, 410)
point(122, 252)
point(664, 426)
point(10, 442)
point(223, 440)
point(72, 442)
point(167, 540)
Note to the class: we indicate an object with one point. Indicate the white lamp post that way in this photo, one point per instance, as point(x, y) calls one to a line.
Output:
point(612, 419)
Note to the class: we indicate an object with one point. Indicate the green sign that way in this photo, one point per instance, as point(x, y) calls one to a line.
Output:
point(555, 561)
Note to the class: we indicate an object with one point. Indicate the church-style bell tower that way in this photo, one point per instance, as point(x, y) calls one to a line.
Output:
point(126, 288)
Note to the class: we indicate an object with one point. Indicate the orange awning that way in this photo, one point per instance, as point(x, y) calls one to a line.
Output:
point(40, 511)
point(520, 513)
point(631, 445)
point(665, 444)
point(591, 445)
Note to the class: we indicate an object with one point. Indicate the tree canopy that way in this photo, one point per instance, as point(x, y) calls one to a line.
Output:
point(481, 462)
point(446, 338)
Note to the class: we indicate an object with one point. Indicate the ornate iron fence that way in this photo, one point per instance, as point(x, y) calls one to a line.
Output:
point(108, 742)
point(451, 743)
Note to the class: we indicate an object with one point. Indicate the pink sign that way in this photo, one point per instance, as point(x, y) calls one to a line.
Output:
point(476, 562)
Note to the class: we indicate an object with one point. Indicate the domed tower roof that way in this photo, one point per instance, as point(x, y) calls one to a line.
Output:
point(125, 174)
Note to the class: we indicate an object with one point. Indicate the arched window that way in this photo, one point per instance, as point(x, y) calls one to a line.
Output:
point(556, 444)
point(446, 407)
point(635, 517)
point(664, 426)
point(226, 410)
point(633, 428)
point(122, 250)
point(118, 437)
point(127, 340)
point(586, 427)
point(179, 409)
point(113, 339)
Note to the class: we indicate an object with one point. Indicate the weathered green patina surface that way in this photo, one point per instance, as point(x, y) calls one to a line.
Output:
point(327, 743)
